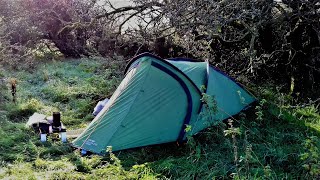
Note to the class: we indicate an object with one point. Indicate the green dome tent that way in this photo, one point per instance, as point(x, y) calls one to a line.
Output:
point(155, 102)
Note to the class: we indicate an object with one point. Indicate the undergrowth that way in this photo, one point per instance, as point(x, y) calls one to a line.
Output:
point(274, 139)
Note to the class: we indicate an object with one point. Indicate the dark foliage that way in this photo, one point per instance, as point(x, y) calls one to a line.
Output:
point(257, 40)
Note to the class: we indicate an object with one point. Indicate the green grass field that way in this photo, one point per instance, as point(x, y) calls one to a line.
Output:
point(271, 140)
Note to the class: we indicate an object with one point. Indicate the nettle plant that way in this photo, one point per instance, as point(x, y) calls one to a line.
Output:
point(208, 113)
point(210, 107)
point(259, 110)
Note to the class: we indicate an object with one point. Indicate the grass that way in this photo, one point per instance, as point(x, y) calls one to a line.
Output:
point(273, 140)
point(72, 88)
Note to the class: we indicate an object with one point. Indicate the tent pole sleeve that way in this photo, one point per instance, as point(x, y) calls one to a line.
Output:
point(163, 61)
point(189, 98)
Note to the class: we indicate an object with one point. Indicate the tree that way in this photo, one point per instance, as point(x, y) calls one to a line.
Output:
point(258, 39)
point(64, 23)
point(261, 39)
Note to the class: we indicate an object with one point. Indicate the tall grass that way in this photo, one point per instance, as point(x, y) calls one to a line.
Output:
point(274, 140)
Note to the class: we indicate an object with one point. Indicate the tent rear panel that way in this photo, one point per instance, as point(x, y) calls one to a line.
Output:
point(229, 96)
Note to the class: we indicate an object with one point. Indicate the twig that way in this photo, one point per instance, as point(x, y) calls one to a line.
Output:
point(305, 104)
